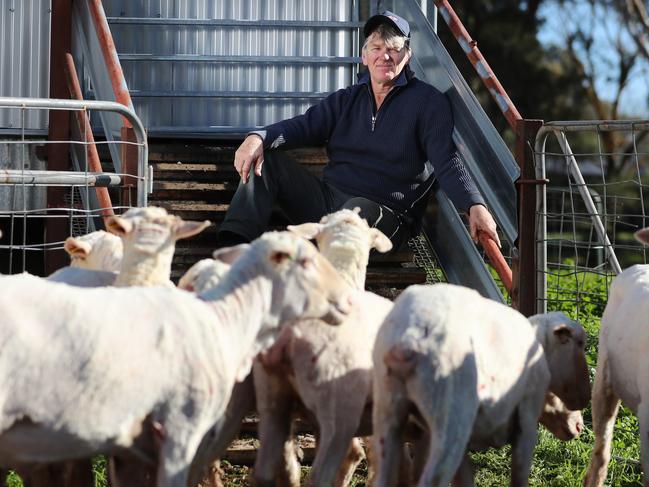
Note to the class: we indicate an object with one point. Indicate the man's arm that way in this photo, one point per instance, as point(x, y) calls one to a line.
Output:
point(311, 128)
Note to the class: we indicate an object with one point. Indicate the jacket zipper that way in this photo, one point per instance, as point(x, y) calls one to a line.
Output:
point(375, 115)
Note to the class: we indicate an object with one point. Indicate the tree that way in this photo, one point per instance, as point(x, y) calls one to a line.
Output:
point(583, 75)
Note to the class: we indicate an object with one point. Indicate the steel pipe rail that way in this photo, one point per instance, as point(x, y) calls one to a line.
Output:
point(103, 106)
point(59, 178)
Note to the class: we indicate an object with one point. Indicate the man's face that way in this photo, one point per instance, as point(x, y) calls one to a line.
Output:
point(383, 62)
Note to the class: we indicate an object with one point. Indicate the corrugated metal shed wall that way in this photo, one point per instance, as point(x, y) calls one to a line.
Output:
point(210, 66)
point(24, 58)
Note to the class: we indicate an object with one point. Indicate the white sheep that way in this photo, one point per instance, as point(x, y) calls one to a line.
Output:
point(330, 372)
point(204, 274)
point(620, 375)
point(76, 381)
point(476, 372)
point(95, 250)
point(147, 239)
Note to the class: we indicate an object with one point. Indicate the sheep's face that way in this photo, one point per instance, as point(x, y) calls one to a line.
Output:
point(203, 275)
point(305, 285)
point(559, 420)
point(344, 231)
point(96, 250)
point(566, 358)
point(152, 230)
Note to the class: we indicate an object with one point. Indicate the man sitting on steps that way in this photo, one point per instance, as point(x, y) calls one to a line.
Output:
point(387, 137)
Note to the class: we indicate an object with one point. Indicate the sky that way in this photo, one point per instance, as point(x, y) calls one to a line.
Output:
point(635, 98)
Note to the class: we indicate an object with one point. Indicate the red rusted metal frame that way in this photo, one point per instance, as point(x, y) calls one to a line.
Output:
point(497, 260)
point(524, 294)
point(128, 153)
point(470, 48)
point(523, 291)
point(94, 163)
point(111, 58)
point(58, 155)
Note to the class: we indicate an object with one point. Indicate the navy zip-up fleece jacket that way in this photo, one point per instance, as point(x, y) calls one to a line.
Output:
point(388, 156)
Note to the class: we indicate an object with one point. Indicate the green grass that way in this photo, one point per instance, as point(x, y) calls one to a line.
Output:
point(558, 463)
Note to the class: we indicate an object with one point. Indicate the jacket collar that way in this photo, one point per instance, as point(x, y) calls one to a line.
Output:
point(404, 77)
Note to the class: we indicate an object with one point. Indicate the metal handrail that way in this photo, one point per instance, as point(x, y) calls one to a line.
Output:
point(102, 106)
point(109, 51)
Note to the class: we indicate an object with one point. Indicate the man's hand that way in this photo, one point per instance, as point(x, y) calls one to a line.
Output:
point(481, 220)
point(250, 153)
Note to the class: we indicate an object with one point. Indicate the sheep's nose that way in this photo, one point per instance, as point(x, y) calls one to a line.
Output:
point(579, 427)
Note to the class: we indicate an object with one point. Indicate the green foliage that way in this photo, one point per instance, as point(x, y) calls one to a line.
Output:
point(542, 82)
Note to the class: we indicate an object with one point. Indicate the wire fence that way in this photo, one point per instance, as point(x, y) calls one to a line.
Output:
point(595, 198)
point(34, 221)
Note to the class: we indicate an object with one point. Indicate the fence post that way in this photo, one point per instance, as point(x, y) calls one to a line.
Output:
point(524, 289)
point(58, 155)
point(129, 158)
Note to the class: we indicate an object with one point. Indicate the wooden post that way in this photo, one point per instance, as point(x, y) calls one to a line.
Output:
point(58, 155)
point(524, 293)
point(129, 158)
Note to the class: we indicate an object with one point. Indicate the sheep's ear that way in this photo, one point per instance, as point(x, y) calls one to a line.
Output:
point(229, 254)
point(563, 333)
point(77, 248)
point(119, 226)
point(306, 230)
point(643, 236)
point(379, 241)
point(183, 229)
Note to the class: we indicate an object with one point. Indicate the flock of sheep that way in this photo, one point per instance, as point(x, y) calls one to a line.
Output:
point(108, 356)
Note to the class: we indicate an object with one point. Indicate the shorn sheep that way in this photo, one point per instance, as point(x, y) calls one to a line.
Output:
point(621, 373)
point(204, 274)
point(331, 369)
point(99, 250)
point(148, 238)
point(77, 381)
point(476, 373)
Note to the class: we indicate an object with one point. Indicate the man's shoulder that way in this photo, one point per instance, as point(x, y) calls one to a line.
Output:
point(421, 86)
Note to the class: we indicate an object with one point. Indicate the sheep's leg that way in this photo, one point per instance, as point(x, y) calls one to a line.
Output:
point(524, 442)
point(331, 450)
point(181, 435)
point(173, 470)
point(643, 420)
point(449, 408)
point(289, 474)
point(464, 475)
point(389, 417)
point(274, 429)
point(337, 424)
point(605, 407)
point(242, 402)
point(419, 453)
point(355, 455)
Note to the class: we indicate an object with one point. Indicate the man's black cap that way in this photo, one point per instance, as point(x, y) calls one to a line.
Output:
point(387, 17)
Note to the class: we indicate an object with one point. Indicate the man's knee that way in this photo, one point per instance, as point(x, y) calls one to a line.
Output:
point(369, 209)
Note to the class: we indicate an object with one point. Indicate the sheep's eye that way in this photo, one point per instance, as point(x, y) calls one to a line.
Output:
point(305, 263)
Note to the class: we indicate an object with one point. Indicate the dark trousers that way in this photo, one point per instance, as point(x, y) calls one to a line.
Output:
point(302, 197)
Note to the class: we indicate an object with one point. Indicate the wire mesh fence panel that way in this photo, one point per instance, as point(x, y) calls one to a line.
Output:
point(593, 202)
point(39, 205)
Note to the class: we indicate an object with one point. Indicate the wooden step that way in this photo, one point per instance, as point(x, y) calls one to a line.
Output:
point(196, 181)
